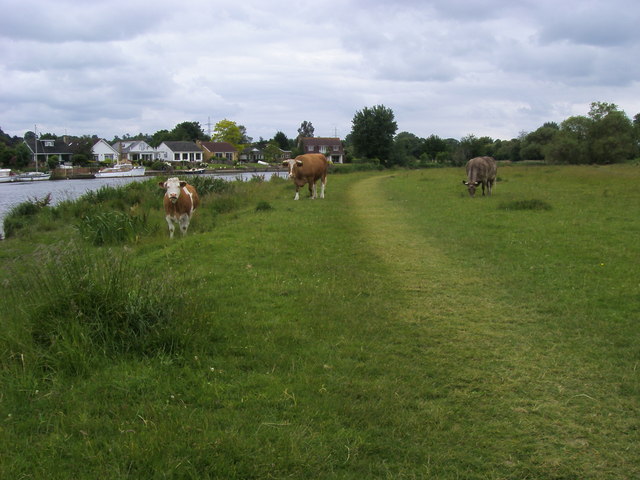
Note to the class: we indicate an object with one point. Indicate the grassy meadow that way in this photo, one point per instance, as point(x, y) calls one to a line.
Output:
point(396, 329)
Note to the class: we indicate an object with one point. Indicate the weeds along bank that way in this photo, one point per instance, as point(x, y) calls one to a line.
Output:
point(396, 329)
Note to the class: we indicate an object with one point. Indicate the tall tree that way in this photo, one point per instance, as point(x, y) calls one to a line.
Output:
point(227, 131)
point(372, 133)
point(407, 148)
point(281, 140)
point(188, 132)
point(306, 130)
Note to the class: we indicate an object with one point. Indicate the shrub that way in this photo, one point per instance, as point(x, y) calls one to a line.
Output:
point(263, 206)
point(533, 204)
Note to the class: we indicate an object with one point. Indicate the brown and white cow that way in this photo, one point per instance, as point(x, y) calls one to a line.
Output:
point(180, 201)
point(481, 171)
point(308, 169)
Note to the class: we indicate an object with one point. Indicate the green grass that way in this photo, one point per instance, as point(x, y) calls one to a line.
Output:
point(395, 329)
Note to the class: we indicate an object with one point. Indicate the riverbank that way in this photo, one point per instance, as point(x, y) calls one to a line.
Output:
point(86, 173)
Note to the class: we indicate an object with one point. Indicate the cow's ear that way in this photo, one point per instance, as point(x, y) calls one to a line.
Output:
point(299, 163)
point(285, 163)
point(478, 183)
point(183, 184)
point(464, 182)
point(162, 185)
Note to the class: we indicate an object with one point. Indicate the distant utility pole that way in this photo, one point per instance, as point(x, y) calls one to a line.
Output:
point(209, 127)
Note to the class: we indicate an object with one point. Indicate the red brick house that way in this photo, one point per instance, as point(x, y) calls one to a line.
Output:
point(331, 147)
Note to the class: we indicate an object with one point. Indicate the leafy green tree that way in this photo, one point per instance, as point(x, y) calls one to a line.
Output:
point(306, 130)
point(282, 141)
point(227, 131)
point(636, 128)
point(570, 144)
point(611, 134)
point(82, 149)
point(407, 148)
point(159, 137)
point(532, 146)
point(188, 132)
point(472, 146)
point(372, 133)
point(272, 152)
point(432, 146)
point(22, 156)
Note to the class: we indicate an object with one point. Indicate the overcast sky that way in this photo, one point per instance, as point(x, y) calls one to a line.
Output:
point(449, 68)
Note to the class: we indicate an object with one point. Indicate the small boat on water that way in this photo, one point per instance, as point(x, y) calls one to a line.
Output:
point(121, 170)
point(6, 175)
point(195, 170)
point(31, 176)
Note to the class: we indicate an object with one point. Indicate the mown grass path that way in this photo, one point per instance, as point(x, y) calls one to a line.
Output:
point(505, 392)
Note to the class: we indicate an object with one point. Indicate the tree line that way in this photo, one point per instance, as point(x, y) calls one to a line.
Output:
point(605, 135)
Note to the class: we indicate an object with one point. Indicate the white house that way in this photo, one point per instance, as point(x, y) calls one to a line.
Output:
point(179, 152)
point(135, 150)
point(103, 152)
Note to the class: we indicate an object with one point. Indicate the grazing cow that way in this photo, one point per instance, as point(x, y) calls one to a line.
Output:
point(481, 171)
point(180, 201)
point(308, 168)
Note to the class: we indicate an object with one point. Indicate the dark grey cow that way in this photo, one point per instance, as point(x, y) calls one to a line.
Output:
point(481, 171)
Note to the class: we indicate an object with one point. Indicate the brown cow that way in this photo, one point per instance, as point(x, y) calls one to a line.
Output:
point(180, 201)
point(308, 168)
point(481, 171)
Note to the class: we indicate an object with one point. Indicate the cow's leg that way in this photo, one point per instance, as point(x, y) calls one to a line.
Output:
point(297, 197)
point(184, 223)
point(171, 227)
point(312, 190)
point(322, 184)
point(483, 184)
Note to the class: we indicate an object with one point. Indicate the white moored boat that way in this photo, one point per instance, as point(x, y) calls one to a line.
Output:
point(6, 175)
point(121, 170)
point(31, 176)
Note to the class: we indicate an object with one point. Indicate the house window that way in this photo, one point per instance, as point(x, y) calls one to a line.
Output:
point(176, 157)
point(310, 148)
point(185, 156)
point(48, 143)
point(335, 148)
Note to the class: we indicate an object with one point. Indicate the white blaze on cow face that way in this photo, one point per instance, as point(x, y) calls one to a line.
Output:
point(290, 164)
point(173, 187)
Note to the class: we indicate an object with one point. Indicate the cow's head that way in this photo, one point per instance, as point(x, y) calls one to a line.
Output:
point(471, 186)
point(173, 187)
point(290, 164)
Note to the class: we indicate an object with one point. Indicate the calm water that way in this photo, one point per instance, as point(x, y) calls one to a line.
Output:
point(11, 194)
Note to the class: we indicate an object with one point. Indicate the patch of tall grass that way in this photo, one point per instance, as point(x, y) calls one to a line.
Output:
point(112, 227)
point(80, 306)
point(22, 214)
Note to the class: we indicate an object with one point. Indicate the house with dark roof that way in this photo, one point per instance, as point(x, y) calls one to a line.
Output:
point(42, 150)
point(331, 147)
point(179, 152)
point(219, 151)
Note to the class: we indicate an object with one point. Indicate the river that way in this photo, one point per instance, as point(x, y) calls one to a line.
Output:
point(14, 193)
